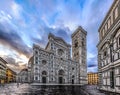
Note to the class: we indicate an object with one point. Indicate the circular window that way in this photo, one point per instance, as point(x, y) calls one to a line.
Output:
point(60, 52)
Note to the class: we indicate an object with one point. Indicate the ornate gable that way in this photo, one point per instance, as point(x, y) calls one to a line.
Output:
point(58, 39)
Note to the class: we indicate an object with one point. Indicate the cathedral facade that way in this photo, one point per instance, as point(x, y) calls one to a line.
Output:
point(54, 63)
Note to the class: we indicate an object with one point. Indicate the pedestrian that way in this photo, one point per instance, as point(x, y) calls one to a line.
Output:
point(17, 84)
point(2, 83)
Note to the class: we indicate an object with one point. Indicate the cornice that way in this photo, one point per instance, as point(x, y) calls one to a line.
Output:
point(110, 32)
point(114, 2)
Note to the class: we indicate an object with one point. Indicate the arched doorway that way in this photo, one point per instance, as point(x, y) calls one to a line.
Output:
point(44, 77)
point(73, 79)
point(60, 80)
point(61, 77)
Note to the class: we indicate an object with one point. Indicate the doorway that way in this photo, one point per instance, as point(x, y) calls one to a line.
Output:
point(43, 79)
point(72, 81)
point(60, 80)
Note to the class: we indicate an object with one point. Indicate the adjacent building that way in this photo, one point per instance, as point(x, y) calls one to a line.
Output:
point(3, 68)
point(92, 78)
point(109, 50)
point(54, 63)
point(6, 74)
point(10, 76)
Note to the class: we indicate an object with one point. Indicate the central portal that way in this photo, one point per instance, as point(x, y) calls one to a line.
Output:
point(43, 79)
point(60, 80)
point(61, 77)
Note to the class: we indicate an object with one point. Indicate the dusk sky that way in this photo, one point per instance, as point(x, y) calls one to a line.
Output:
point(24, 22)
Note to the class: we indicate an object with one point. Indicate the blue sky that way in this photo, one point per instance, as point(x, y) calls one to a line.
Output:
point(24, 22)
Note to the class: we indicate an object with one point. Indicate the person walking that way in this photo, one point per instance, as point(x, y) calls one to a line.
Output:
point(17, 84)
point(2, 83)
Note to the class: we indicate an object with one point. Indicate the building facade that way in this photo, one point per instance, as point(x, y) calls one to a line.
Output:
point(109, 50)
point(92, 78)
point(3, 68)
point(10, 76)
point(30, 69)
point(22, 76)
point(54, 63)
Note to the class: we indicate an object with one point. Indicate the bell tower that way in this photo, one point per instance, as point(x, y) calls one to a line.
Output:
point(79, 53)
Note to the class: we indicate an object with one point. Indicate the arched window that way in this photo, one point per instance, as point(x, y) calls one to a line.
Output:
point(73, 76)
point(82, 41)
point(44, 62)
point(36, 70)
point(61, 72)
point(36, 52)
point(119, 41)
point(44, 73)
point(72, 68)
point(51, 46)
point(76, 43)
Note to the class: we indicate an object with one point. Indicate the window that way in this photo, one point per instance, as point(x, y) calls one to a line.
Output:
point(72, 68)
point(82, 41)
point(36, 68)
point(51, 46)
point(116, 12)
point(117, 71)
point(113, 58)
point(72, 76)
point(36, 62)
point(36, 78)
point(118, 41)
point(105, 53)
point(103, 32)
point(36, 52)
point(109, 23)
point(36, 58)
point(112, 79)
point(100, 35)
point(75, 43)
point(44, 62)
point(105, 27)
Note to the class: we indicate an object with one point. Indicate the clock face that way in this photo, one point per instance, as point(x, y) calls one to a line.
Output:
point(60, 52)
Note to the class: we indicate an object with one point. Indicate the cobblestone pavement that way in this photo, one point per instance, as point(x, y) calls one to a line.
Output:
point(14, 89)
point(26, 89)
point(92, 90)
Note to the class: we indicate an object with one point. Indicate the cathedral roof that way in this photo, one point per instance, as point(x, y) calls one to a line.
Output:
point(38, 47)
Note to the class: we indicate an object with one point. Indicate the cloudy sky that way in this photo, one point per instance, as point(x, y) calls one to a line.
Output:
point(24, 22)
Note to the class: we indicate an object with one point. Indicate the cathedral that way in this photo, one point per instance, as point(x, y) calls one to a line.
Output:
point(54, 65)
